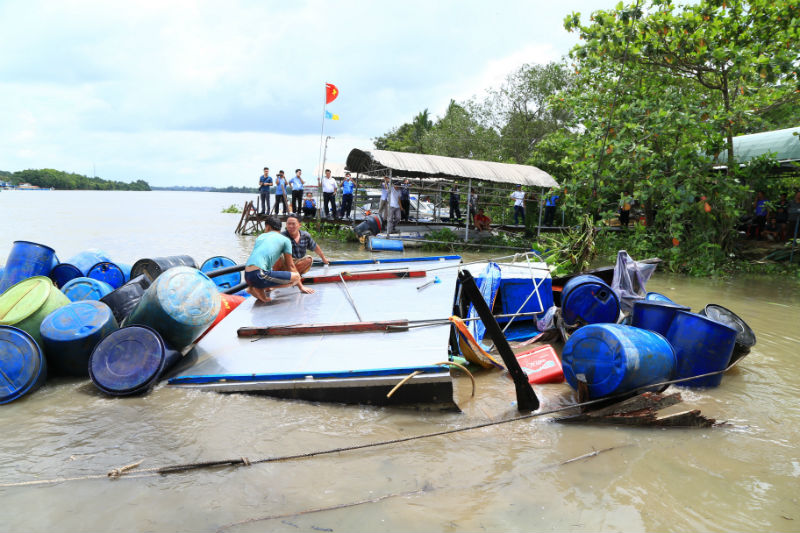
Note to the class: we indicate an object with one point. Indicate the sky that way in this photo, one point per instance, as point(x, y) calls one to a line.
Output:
point(198, 93)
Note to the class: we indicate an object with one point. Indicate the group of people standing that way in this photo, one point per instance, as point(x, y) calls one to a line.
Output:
point(305, 204)
point(776, 220)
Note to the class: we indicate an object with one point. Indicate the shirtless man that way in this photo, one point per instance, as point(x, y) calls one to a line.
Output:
point(270, 246)
point(301, 241)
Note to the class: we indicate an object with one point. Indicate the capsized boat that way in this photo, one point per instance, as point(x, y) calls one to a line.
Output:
point(356, 366)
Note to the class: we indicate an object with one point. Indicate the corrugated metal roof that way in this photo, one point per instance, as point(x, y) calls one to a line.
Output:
point(785, 144)
point(403, 164)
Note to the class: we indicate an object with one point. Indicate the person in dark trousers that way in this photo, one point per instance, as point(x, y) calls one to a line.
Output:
point(297, 191)
point(329, 194)
point(455, 212)
point(264, 184)
point(405, 199)
point(550, 210)
point(625, 209)
point(280, 193)
point(519, 205)
point(347, 195)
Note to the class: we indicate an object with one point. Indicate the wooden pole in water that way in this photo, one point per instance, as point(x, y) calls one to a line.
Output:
point(526, 397)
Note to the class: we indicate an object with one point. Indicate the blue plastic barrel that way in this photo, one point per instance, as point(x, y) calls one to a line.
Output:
point(77, 266)
point(78, 289)
point(130, 361)
point(26, 260)
point(23, 368)
point(701, 346)
point(226, 281)
point(587, 298)
point(124, 299)
point(655, 315)
point(70, 333)
point(384, 245)
point(179, 305)
point(615, 359)
point(115, 274)
point(657, 297)
point(154, 267)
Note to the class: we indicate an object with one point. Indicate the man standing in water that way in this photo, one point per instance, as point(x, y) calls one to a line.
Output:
point(264, 183)
point(269, 247)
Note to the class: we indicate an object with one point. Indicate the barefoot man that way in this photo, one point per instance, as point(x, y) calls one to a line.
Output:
point(301, 241)
point(270, 246)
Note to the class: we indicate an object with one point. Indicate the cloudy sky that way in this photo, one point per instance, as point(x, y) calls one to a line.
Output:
point(207, 93)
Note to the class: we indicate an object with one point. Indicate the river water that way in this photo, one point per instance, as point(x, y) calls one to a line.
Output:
point(515, 476)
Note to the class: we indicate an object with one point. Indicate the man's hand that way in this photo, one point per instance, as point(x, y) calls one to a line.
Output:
point(304, 289)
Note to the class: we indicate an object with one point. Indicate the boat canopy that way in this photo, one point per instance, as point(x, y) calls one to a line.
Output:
point(402, 164)
point(784, 145)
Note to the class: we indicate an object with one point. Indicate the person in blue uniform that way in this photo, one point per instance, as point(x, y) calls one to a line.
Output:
point(258, 274)
point(280, 193)
point(347, 195)
point(297, 191)
point(264, 183)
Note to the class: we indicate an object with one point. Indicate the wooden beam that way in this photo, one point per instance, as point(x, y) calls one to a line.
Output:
point(369, 276)
point(387, 326)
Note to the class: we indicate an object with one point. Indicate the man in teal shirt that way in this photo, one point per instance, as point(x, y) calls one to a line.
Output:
point(258, 274)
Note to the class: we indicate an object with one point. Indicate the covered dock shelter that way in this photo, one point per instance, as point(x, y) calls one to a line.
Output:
point(783, 145)
point(378, 163)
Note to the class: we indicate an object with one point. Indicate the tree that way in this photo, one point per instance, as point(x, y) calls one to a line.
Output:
point(520, 109)
point(408, 137)
point(741, 54)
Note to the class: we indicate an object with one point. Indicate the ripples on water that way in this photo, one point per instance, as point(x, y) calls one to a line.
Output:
point(505, 477)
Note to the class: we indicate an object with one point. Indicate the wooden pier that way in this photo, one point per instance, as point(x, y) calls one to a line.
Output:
point(252, 223)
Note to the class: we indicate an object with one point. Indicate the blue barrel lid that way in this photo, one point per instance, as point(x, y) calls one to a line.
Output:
point(86, 289)
point(660, 303)
point(188, 296)
point(225, 281)
point(127, 360)
point(657, 297)
point(590, 299)
point(21, 363)
point(76, 320)
point(63, 272)
point(115, 274)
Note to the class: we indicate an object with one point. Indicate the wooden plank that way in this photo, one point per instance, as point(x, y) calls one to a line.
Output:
point(317, 329)
point(368, 276)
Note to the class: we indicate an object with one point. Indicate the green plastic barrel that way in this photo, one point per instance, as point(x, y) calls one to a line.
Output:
point(26, 304)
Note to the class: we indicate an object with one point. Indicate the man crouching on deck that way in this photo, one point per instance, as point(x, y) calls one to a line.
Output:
point(269, 247)
point(301, 241)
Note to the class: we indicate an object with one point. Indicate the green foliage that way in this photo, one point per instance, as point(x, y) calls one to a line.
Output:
point(233, 208)
point(572, 251)
point(323, 230)
point(48, 177)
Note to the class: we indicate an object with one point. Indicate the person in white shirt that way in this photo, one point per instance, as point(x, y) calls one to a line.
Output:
point(329, 193)
point(383, 208)
point(519, 204)
point(395, 209)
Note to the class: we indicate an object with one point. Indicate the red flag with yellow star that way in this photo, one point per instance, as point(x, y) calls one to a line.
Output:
point(331, 92)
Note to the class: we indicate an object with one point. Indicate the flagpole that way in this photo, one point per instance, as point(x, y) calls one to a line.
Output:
point(319, 156)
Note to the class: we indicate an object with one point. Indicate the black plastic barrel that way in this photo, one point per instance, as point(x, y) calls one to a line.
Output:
point(130, 361)
point(123, 300)
point(154, 267)
point(371, 224)
point(745, 337)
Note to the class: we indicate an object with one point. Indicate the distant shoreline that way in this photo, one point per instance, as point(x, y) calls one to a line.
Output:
point(231, 188)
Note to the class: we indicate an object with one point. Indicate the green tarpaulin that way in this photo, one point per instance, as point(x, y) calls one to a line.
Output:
point(783, 144)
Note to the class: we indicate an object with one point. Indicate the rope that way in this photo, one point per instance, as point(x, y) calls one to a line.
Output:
point(403, 382)
point(462, 367)
point(171, 469)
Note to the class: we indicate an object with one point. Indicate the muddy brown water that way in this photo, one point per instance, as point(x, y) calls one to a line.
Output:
point(515, 476)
